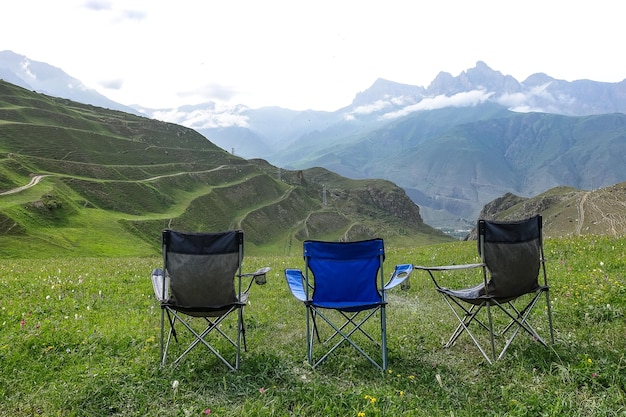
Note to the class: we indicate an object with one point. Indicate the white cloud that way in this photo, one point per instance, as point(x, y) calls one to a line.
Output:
point(465, 99)
point(26, 67)
point(372, 108)
point(221, 116)
point(306, 55)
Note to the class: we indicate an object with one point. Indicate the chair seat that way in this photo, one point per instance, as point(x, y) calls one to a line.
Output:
point(473, 295)
point(345, 305)
point(205, 311)
point(476, 295)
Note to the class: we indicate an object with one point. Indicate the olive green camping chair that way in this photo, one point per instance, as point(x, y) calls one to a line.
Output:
point(202, 281)
point(513, 280)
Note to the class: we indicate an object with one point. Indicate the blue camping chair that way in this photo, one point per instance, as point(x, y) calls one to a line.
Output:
point(347, 278)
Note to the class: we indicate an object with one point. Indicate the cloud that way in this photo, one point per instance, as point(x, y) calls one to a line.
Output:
point(465, 99)
point(209, 117)
point(211, 92)
point(371, 108)
point(107, 6)
point(25, 64)
point(98, 5)
point(136, 15)
point(115, 84)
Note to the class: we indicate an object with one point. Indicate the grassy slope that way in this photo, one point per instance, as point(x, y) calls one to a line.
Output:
point(81, 337)
point(114, 181)
point(567, 211)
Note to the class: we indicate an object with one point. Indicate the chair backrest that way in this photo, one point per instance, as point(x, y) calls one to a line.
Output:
point(345, 271)
point(202, 267)
point(512, 252)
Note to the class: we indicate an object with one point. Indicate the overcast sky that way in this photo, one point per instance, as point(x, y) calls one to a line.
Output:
point(307, 54)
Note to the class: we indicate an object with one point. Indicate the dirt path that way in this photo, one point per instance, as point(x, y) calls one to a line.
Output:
point(33, 181)
point(581, 213)
point(36, 178)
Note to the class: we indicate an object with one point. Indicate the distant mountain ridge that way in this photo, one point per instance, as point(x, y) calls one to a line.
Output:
point(80, 180)
point(44, 78)
point(566, 211)
point(453, 146)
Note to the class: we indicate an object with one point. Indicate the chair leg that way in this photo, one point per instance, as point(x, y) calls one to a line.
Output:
point(212, 325)
point(309, 336)
point(162, 342)
point(383, 331)
point(345, 337)
point(464, 322)
point(493, 344)
point(240, 335)
point(549, 316)
point(351, 320)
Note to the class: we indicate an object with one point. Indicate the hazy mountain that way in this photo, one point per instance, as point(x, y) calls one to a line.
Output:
point(276, 129)
point(566, 211)
point(44, 78)
point(76, 179)
point(453, 146)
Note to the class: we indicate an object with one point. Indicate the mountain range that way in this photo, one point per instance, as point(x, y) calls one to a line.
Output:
point(453, 146)
point(80, 180)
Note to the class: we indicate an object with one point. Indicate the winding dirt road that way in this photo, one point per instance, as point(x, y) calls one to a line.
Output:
point(581, 213)
point(33, 181)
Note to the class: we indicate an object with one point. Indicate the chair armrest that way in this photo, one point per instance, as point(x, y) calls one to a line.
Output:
point(260, 271)
point(259, 275)
point(401, 273)
point(295, 281)
point(158, 282)
point(460, 267)
point(448, 267)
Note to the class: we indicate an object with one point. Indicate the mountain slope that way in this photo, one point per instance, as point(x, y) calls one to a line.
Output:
point(409, 135)
point(103, 182)
point(45, 78)
point(566, 211)
point(456, 160)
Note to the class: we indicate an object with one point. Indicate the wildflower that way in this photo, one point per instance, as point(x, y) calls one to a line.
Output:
point(207, 411)
point(594, 375)
point(361, 414)
point(401, 393)
point(370, 399)
point(589, 361)
point(411, 377)
point(262, 390)
point(22, 323)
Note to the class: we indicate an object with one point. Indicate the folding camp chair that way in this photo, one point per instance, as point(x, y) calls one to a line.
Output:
point(201, 279)
point(347, 278)
point(512, 263)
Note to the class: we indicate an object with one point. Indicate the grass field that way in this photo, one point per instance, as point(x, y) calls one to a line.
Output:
point(80, 337)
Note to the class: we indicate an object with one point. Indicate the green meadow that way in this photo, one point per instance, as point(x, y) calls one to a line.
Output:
point(80, 337)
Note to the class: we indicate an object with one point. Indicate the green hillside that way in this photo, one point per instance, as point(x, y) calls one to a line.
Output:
point(567, 211)
point(78, 180)
point(453, 161)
